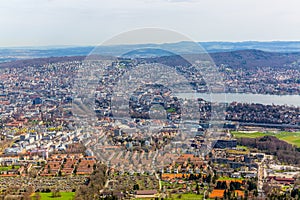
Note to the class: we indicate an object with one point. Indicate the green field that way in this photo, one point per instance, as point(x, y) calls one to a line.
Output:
point(8, 168)
point(290, 137)
point(187, 196)
point(225, 178)
point(64, 196)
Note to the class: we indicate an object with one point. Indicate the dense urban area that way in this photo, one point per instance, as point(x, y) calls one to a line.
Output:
point(65, 131)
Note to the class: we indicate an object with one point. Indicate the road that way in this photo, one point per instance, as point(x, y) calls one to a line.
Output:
point(261, 175)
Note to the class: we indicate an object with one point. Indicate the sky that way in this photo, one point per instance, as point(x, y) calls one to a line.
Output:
point(91, 22)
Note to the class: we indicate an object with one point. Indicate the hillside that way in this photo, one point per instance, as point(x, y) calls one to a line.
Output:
point(236, 59)
point(255, 58)
point(284, 151)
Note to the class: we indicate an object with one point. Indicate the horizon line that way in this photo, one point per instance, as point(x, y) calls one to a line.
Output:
point(95, 45)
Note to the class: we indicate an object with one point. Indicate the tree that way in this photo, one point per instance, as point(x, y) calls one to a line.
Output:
point(191, 177)
point(255, 193)
point(228, 194)
point(37, 196)
point(251, 185)
point(225, 194)
point(27, 194)
point(199, 176)
point(294, 193)
point(208, 179)
point(197, 188)
point(75, 170)
point(136, 187)
point(56, 193)
point(215, 178)
point(96, 182)
point(246, 194)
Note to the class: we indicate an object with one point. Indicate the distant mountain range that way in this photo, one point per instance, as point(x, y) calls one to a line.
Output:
point(149, 50)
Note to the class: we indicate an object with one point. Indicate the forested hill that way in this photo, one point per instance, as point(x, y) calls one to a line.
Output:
point(284, 151)
point(255, 58)
point(246, 59)
point(236, 59)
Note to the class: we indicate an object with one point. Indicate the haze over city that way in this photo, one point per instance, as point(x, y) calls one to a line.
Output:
point(90, 22)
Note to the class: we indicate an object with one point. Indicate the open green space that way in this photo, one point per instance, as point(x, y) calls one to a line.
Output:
point(9, 168)
point(225, 178)
point(186, 196)
point(170, 110)
point(64, 196)
point(290, 137)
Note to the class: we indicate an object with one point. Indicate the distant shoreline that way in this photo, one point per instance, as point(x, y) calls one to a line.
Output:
point(290, 100)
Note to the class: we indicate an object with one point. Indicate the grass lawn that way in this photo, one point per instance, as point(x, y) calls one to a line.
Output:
point(64, 196)
point(290, 137)
point(229, 179)
point(164, 183)
point(242, 147)
point(8, 168)
point(187, 196)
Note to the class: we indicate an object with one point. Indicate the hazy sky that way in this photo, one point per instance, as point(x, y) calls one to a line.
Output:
point(90, 22)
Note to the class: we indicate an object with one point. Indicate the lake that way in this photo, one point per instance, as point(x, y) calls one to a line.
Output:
point(291, 100)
